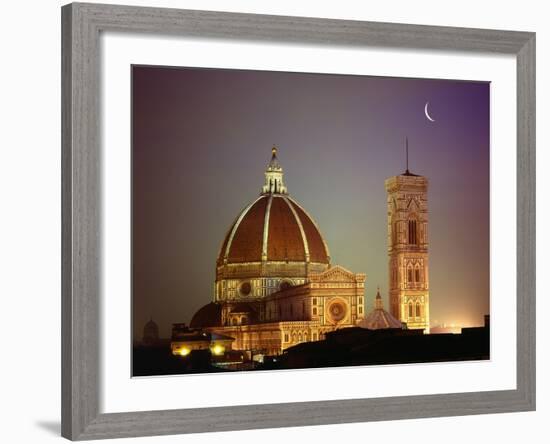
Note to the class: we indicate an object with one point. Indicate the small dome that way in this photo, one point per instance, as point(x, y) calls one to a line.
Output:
point(151, 325)
point(379, 318)
point(209, 315)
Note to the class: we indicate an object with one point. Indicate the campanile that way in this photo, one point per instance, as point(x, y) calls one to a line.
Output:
point(407, 203)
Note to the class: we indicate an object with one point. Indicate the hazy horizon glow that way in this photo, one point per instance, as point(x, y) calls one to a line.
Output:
point(202, 139)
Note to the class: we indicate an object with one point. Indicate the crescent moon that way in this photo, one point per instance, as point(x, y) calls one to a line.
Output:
point(426, 112)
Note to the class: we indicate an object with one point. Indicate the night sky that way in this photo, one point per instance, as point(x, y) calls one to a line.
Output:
point(202, 139)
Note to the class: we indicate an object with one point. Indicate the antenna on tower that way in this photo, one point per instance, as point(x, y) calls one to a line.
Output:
point(407, 155)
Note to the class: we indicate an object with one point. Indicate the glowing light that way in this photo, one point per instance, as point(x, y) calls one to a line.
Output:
point(217, 349)
point(184, 351)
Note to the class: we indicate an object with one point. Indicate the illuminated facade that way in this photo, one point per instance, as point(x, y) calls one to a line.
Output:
point(275, 286)
point(407, 204)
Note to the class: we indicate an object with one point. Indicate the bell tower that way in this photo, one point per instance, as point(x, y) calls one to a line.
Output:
point(407, 203)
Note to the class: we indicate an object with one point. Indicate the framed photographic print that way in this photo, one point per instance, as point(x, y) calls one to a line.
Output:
point(321, 211)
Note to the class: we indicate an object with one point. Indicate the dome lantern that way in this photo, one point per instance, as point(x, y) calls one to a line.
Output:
point(274, 183)
point(378, 301)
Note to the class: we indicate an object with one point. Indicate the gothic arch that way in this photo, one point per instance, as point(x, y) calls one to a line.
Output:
point(413, 205)
point(412, 230)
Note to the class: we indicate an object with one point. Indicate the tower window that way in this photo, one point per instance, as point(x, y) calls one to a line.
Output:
point(412, 232)
point(417, 275)
point(411, 310)
point(418, 310)
point(410, 275)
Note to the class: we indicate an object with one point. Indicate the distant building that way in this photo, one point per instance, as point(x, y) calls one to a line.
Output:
point(150, 333)
point(407, 202)
point(439, 329)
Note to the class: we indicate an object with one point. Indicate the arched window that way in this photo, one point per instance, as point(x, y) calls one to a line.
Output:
point(244, 320)
point(418, 314)
point(300, 337)
point(410, 276)
point(411, 310)
point(412, 232)
point(294, 337)
point(305, 336)
point(417, 274)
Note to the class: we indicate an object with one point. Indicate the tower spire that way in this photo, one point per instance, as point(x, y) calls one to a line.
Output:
point(407, 155)
point(274, 183)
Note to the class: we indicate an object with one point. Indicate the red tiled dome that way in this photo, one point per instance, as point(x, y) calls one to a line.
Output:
point(274, 228)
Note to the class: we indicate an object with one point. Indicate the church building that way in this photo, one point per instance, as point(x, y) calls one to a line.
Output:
point(275, 286)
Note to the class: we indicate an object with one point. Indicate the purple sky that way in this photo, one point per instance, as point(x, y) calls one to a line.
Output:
point(202, 139)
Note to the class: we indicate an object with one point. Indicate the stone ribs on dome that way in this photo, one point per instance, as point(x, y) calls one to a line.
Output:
point(273, 228)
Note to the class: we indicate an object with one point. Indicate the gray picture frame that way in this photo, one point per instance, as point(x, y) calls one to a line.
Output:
point(81, 232)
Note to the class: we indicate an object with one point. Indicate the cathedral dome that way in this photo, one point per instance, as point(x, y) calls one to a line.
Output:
point(273, 228)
